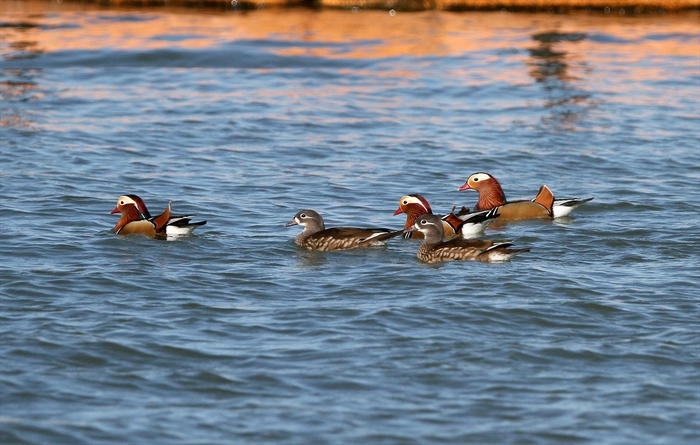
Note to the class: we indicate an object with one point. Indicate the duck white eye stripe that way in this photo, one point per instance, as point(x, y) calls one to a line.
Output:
point(479, 177)
point(413, 200)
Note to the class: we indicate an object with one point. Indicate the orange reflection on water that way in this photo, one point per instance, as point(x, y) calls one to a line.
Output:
point(370, 34)
point(554, 50)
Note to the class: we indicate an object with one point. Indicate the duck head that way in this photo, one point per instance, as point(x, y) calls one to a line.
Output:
point(310, 220)
point(131, 200)
point(413, 206)
point(490, 191)
point(430, 226)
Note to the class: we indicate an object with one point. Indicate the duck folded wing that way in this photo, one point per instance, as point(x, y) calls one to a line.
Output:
point(345, 238)
point(162, 220)
point(361, 235)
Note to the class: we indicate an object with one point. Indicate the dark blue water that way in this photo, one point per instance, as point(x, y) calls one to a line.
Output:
point(236, 335)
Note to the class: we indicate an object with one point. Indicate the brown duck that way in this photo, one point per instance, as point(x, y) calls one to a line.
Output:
point(315, 236)
point(466, 225)
point(435, 250)
point(544, 205)
point(135, 218)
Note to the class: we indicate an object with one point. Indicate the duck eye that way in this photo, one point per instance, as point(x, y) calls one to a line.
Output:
point(405, 201)
point(424, 222)
point(476, 179)
point(303, 215)
point(121, 202)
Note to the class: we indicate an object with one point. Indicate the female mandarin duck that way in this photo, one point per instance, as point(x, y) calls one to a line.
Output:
point(544, 205)
point(315, 236)
point(468, 225)
point(435, 250)
point(137, 219)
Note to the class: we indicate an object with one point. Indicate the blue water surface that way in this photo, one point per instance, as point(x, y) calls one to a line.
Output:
point(237, 335)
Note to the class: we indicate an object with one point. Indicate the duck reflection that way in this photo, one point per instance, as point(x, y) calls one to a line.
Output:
point(311, 259)
point(19, 40)
point(549, 63)
point(558, 70)
point(17, 85)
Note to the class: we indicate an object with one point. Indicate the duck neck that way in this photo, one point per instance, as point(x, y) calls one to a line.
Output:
point(129, 214)
point(310, 228)
point(433, 237)
point(490, 197)
point(412, 216)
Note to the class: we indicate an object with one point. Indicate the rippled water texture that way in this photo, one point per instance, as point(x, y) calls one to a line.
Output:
point(236, 335)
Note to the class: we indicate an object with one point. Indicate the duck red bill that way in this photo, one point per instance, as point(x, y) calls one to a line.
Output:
point(116, 210)
point(464, 187)
point(398, 211)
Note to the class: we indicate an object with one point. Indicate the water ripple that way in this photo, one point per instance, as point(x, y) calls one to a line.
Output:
point(238, 334)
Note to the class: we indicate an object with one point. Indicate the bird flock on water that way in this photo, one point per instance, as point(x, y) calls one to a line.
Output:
point(449, 237)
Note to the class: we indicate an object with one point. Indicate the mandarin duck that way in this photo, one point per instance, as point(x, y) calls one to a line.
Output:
point(137, 219)
point(467, 225)
point(435, 250)
point(315, 236)
point(544, 205)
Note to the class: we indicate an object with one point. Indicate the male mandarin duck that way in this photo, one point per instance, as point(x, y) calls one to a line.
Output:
point(544, 205)
point(467, 225)
point(315, 236)
point(435, 250)
point(137, 219)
